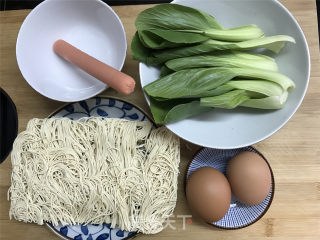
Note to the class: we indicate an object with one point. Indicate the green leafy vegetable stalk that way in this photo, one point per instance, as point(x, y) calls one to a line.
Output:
point(224, 59)
point(273, 43)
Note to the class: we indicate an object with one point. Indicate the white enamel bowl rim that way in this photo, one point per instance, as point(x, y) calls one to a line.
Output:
point(34, 12)
point(201, 142)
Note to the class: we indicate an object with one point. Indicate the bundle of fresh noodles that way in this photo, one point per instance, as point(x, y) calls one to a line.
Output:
point(95, 171)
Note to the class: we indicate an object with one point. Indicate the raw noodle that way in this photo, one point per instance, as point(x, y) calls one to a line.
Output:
point(94, 171)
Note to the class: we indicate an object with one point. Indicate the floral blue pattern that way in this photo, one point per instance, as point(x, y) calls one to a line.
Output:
point(97, 107)
point(239, 215)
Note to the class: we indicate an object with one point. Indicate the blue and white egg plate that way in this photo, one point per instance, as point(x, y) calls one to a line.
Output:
point(239, 215)
point(106, 108)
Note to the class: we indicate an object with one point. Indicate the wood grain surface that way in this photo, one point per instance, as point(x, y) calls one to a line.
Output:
point(293, 152)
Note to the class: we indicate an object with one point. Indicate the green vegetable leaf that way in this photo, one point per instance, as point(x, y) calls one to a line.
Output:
point(138, 50)
point(248, 93)
point(159, 39)
point(218, 91)
point(274, 43)
point(228, 59)
point(174, 110)
point(164, 71)
point(190, 20)
point(200, 82)
point(189, 82)
point(150, 40)
point(175, 17)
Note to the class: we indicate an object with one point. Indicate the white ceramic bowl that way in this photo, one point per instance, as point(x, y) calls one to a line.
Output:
point(90, 25)
point(226, 129)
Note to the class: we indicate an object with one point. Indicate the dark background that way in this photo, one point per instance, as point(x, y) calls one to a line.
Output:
point(29, 4)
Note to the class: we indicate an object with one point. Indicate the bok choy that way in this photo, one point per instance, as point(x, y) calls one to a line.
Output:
point(229, 59)
point(249, 93)
point(175, 110)
point(273, 43)
point(198, 82)
point(168, 18)
point(205, 65)
point(193, 91)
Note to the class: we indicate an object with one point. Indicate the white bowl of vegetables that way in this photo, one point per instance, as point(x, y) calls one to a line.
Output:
point(226, 81)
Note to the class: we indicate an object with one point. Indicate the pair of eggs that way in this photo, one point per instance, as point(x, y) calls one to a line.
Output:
point(209, 192)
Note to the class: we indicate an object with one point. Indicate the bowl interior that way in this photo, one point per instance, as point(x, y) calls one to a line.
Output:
point(239, 215)
point(241, 127)
point(92, 26)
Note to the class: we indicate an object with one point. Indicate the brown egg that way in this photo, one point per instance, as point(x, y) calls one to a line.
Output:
point(249, 177)
point(208, 194)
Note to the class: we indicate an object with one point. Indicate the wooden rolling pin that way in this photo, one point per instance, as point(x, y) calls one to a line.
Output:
point(115, 79)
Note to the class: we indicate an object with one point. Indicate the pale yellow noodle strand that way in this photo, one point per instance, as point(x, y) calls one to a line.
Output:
point(95, 171)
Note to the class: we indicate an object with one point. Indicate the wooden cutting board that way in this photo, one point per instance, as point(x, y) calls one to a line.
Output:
point(293, 152)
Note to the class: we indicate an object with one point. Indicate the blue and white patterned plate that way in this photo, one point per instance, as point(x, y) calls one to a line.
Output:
point(97, 107)
point(239, 215)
